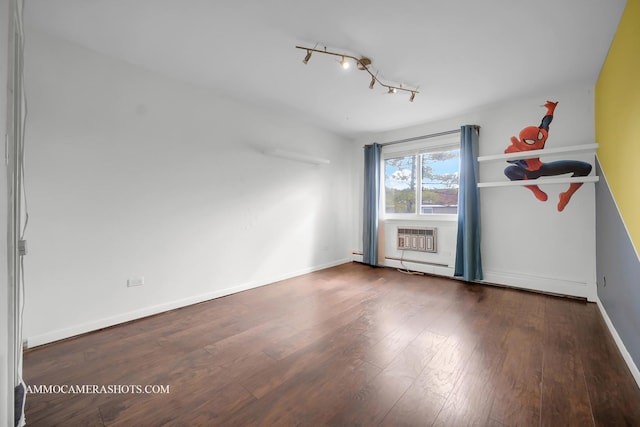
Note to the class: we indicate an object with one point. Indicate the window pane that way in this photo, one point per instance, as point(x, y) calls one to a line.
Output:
point(400, 181)
point(440, 179)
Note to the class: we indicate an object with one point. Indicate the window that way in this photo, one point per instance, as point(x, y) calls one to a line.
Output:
point(424, 182)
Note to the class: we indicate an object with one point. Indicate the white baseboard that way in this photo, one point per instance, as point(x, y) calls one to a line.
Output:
point(542, 284)
point(440, 270)
point(623, 350)
point(60, 334)
point(514, 280)
point(423, 267)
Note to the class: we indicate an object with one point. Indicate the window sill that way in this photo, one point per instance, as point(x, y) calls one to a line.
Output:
point(420, 218)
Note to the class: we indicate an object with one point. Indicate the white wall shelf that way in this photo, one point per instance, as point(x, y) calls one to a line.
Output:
point(539, 181)
point(295, 156)
point(585, 148)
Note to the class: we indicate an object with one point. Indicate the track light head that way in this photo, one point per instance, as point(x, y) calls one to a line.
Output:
point(412, 97)
point(373, 81)
point(344, 63)
point(307, 58)
point(392, 90)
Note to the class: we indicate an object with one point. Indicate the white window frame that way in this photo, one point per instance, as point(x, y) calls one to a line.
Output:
point(409, 149)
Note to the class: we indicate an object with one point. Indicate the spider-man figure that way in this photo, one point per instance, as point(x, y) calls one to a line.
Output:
point(534, 138)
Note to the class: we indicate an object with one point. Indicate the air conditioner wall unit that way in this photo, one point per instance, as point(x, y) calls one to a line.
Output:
point(421, 239)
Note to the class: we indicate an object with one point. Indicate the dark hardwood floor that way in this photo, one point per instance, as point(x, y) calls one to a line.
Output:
point(347, 346)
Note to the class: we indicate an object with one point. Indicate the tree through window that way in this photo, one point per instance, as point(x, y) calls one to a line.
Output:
point(436, 171)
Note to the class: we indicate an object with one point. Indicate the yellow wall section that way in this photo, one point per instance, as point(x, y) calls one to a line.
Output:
point(617, 118)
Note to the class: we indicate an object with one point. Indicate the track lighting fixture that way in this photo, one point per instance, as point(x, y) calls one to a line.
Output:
point(363, 63)
point(308, 57)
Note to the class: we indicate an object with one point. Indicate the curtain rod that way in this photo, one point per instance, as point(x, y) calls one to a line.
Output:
point(417, 138)
point(431, 135)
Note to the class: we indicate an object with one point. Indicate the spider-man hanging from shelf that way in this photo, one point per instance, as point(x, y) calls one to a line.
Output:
point(534, 138)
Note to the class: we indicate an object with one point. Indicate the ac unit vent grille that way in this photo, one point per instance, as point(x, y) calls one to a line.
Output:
point(417, 239)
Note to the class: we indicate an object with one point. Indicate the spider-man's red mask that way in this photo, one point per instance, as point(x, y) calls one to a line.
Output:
point(532, 138)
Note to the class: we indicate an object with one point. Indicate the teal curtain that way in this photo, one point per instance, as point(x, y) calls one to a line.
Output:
point(468, 257)
point(371, 203)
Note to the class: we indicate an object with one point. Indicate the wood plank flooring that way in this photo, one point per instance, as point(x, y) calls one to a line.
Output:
point(347, 346)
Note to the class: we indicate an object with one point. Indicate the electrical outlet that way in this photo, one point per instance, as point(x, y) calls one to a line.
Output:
point(135, 281)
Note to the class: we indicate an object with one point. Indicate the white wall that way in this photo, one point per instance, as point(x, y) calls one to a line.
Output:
point(133, 174)
point(525, 243)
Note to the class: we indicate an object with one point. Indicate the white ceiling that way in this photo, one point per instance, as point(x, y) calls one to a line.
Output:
point(462, 54)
